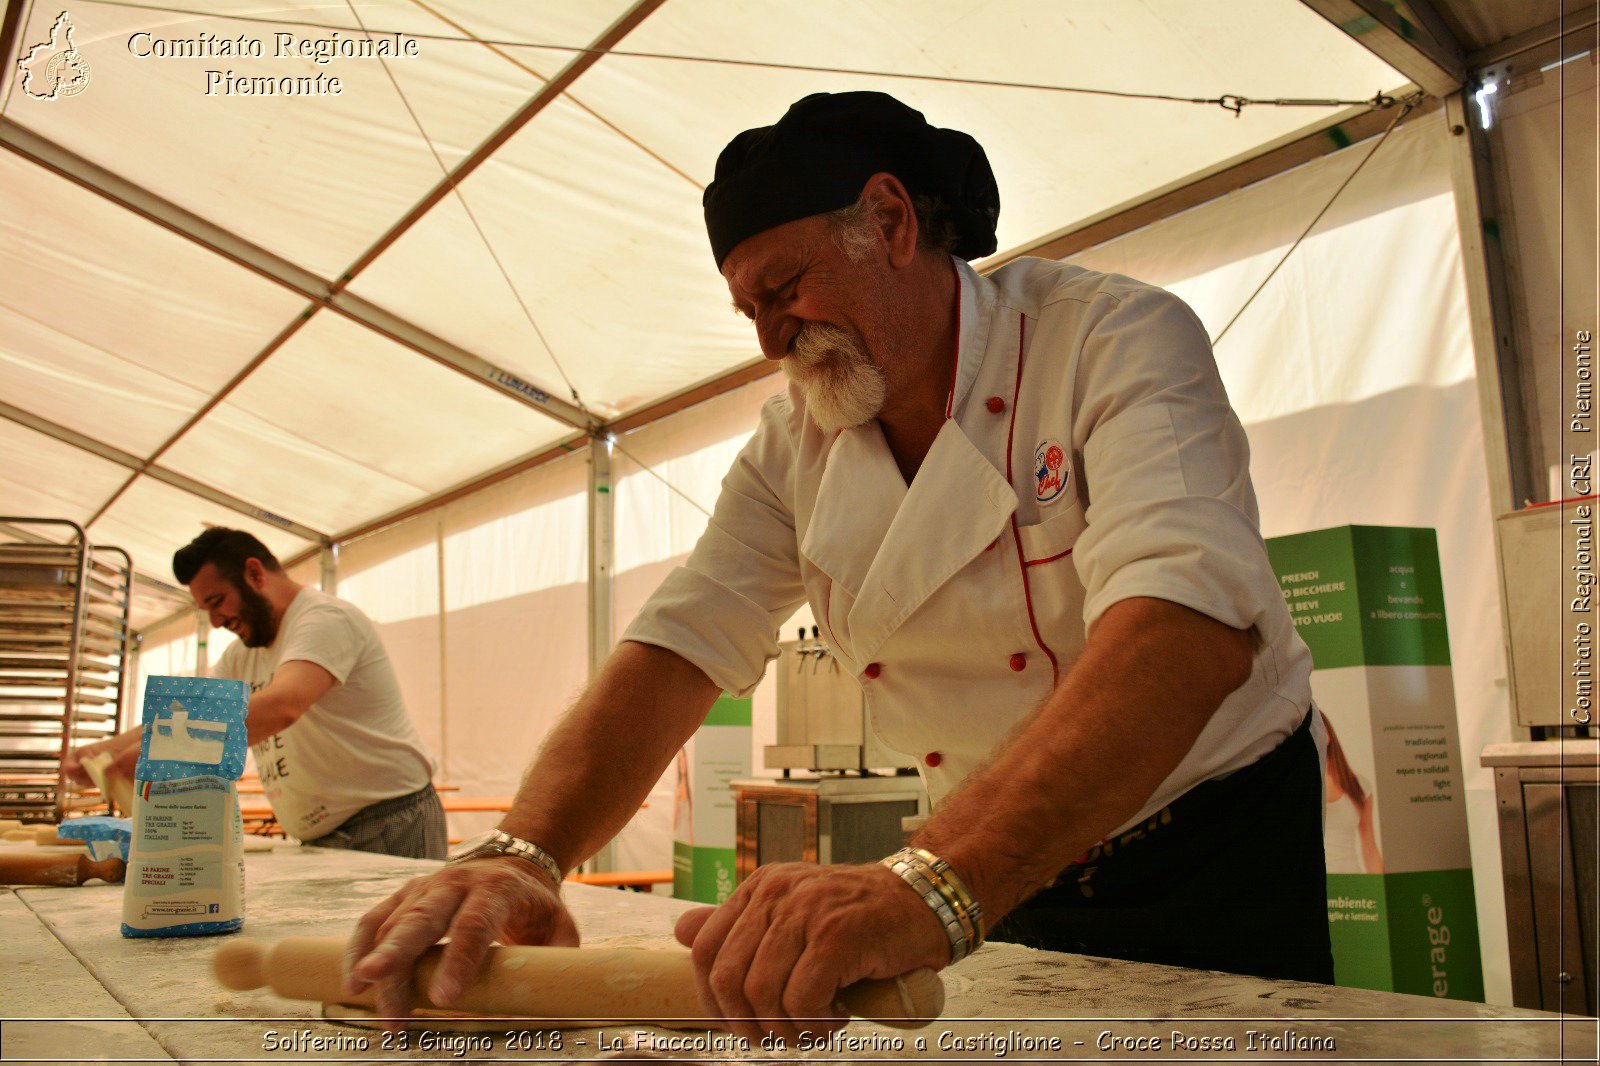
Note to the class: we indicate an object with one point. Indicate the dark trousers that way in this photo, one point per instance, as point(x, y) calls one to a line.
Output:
point(1229, 876)
point(410, 826)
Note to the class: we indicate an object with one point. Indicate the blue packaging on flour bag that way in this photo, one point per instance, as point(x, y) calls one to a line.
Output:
point(106, 838)
point(186, 861)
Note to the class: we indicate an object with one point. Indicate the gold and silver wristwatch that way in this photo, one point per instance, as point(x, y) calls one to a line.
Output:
point(499, 842)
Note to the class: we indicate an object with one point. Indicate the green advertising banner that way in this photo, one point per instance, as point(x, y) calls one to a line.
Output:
point(1369, 603)
point(704, 825)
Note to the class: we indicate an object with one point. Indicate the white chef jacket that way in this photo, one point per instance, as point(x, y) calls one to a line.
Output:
point(1090, 456)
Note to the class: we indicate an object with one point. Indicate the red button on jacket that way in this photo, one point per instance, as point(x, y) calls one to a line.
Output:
point(933, 758)
point(1019, 661)
point(872, 671)
point(996, 404)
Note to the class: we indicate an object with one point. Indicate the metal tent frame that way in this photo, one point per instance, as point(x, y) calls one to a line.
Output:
point(1424, 51)
point(1422, 48)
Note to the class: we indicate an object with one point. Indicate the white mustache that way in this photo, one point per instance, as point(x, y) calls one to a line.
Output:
point(816, 343)
point(842, 385)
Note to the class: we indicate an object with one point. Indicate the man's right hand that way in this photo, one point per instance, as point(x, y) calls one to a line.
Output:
point(126, 759)
point(474, 903)
point(72, 765)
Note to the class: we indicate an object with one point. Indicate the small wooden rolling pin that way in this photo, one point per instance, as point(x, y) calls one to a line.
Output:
point(634, 984)
point(57, 868)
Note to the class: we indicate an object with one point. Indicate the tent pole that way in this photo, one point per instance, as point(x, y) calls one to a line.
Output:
point(329, 577)
point(202, 633)
point(442, 773)
point(602, 560)
point(130, 712)
point(1510, 451)
point(602, 551)
point(1508, 441)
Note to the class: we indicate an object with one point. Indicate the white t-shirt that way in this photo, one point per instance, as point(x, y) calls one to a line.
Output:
point(355, 746)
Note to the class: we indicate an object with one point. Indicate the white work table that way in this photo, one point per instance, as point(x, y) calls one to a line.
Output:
point(107, 998)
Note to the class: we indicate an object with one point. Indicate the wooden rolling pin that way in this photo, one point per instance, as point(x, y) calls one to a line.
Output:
point(633, 984)
point(57, 868)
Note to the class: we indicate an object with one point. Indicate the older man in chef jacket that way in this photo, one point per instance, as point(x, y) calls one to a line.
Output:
point(1020, 507)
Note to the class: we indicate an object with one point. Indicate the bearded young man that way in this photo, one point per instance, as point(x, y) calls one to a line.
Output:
point(1020, 508)
point(338, 757)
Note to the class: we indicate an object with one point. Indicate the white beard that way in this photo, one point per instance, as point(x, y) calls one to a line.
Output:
point(843, 387)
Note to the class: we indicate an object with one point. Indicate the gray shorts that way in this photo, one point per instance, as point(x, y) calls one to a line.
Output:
point(409, 826)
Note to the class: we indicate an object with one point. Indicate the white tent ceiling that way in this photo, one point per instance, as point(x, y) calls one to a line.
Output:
point(569, 254)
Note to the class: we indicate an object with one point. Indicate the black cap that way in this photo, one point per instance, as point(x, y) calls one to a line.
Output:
point(820, 154)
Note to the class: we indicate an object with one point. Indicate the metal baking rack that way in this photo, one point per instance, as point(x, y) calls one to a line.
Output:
point(64, 649)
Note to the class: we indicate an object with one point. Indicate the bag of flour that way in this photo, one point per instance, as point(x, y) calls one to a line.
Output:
point(186, 861)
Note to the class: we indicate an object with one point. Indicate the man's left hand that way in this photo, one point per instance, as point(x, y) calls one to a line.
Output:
point(772, 959)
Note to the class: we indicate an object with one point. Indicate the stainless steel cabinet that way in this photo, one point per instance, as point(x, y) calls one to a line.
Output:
point(825, 820)
point(1548, 795)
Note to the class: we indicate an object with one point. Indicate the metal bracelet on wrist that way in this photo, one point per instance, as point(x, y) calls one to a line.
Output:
point(499, 842)
point(958, 894)
point(933, 880)
point(954, 928)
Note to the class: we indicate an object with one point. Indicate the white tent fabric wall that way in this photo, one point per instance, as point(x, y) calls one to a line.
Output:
point(308, 571)
point(166, 651)
point(1353, 372)
point(480, 605)
point(515, 576)
point(655, 530)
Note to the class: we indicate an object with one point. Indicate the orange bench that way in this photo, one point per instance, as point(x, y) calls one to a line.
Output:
point(637, 880)
point(462, 805)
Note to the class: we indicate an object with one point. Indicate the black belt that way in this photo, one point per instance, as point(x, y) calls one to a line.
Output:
point(1229, 876)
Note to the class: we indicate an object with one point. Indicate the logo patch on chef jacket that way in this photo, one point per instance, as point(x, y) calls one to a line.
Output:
point(1049, 470)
